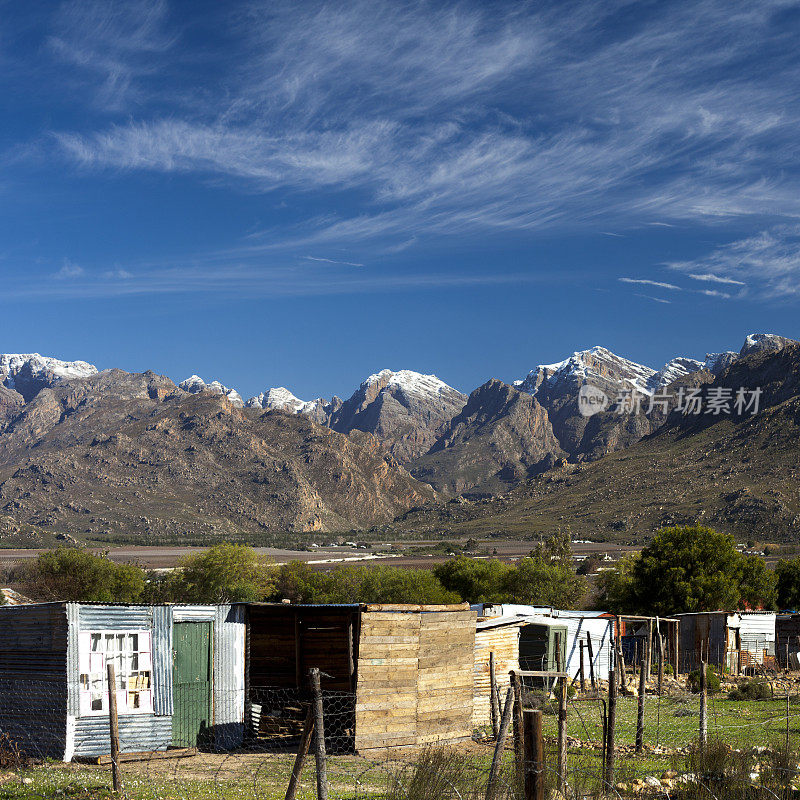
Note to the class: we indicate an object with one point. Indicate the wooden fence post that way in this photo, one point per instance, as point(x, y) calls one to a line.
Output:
point(640, 706)
point(534, 755)
point(113, 726)
point(582, 671)
point(494, 697)
point(519, 748)
point(300, 758)
point(505, 724)
point(319, 735)
point(703, 704)
point(562, 737)
point(591, 659)
point(608, 772)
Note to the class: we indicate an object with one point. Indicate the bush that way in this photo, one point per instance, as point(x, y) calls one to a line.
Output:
point(713, 682)
point(755, 689)
point(668, 670)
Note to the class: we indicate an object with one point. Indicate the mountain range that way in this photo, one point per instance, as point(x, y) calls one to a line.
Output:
point(111, 453)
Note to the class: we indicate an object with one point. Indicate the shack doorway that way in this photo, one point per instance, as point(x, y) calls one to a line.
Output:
point(191, 678)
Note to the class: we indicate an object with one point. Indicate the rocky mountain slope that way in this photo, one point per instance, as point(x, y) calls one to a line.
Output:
point(501, 437)
point(132, 453)
point(738, 473)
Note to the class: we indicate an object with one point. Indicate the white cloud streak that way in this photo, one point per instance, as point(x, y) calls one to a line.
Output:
point(117, 42)
point(457, 119)
point(645, 282)
point(767, 263)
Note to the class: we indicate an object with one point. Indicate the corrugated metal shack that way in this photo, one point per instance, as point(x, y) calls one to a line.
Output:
point(597, 626)
point(180, 676)
point(737, 641)
point(392, 675)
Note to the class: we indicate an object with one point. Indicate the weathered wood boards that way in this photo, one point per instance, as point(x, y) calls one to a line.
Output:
point(414, 683)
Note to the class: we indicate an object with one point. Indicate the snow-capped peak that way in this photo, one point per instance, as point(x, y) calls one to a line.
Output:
point(407, 381)
point(763, 342)
point(674, 368)
point(11, 364)
point(196, 384)
point(584, 365)
point(281, 398)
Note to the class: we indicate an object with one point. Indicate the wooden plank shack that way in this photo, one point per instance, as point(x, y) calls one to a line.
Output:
point(401, 674)
point(414, 679)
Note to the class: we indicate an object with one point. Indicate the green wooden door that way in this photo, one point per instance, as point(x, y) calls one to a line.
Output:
point(191, 678)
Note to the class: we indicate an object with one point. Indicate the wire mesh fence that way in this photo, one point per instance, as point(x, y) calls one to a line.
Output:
point(234, 744)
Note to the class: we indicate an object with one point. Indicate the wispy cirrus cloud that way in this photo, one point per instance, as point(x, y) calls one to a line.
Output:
point(69, 270)
point(118, 42)
point(459, 118)
point(333, 261)
point(646, 282)
point(711, 278)
point(237, 281)
point(766, 264)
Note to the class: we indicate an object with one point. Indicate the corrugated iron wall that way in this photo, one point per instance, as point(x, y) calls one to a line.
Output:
point(115, 618)
point(138, 733)
point(229, 642)
point(504, 643)
point(601, 630)
point(163, 700)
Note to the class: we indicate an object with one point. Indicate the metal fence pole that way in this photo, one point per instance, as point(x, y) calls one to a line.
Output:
point(591, 659)
point(703, 704)
point(319, 735)
point(113, 725)
point(640, 706)
point(608, 776)
point(583, 672)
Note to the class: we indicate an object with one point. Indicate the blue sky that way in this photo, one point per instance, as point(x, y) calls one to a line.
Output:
point(302, 193)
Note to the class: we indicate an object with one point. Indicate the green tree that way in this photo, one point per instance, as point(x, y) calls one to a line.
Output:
point(688, 569)
point(788, 583)
point(474, 580)
point(76, 574)
point(375, 584)
point(540, 581)
point(616, 587)
point(225, 573)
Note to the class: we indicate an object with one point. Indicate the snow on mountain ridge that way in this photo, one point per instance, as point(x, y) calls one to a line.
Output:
point(675, 368)
point(11, 364)
point(195, 384)
point(408, 381)
point(582, 366)
point(282, 399)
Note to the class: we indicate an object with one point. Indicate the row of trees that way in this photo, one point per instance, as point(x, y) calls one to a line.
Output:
point(236, 573)
point(683, 569)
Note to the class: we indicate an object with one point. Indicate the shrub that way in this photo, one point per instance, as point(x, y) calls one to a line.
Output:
point(755, 689)
point(668, 670)
point(712, 680)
